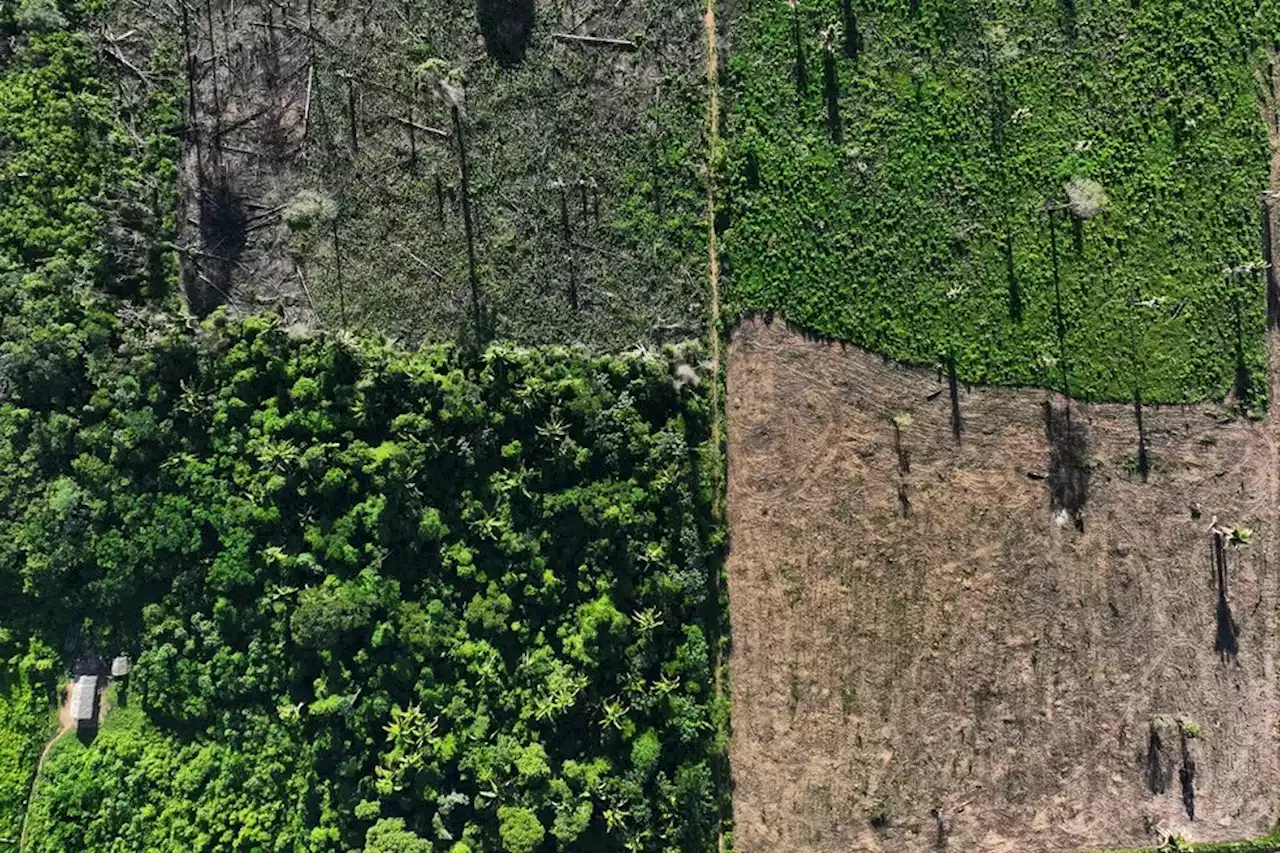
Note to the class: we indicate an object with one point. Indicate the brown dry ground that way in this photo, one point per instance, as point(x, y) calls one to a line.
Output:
point(980, 674)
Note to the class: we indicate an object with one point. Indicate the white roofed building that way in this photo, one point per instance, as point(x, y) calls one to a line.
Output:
point(84, 702)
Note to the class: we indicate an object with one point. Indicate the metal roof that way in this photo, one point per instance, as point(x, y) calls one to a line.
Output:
point(82, 696)
point(120, 666)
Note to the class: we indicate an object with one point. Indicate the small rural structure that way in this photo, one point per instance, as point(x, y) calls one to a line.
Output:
point(84, 700)
point(120, 667)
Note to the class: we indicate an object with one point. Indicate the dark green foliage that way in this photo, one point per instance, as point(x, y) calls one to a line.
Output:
point(938, 221)
point(459, 587)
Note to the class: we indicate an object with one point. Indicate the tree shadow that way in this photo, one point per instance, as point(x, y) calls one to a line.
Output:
point(507, 26)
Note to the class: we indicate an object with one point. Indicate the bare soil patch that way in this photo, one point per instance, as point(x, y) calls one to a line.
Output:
point(1017, 642)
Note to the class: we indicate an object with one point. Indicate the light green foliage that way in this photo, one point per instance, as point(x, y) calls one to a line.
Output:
point(1064, 195)
point(137, 788)
point(520, 830)
point(26, 719)
point(390, 836)
point(645, 752)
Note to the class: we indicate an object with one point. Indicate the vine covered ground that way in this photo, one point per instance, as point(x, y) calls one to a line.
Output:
point(1056, 194)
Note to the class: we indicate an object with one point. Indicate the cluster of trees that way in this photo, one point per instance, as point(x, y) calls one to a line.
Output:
point(377, 600)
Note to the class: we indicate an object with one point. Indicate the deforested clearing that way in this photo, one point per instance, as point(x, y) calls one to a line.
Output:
point(1054, 633)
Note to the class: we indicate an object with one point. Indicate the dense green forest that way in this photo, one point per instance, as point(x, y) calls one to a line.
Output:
point(1062, 194)
point(454, 599)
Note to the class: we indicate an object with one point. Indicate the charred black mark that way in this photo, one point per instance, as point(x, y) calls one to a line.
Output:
point(1273, 286)
point(1069, 470)
point(1144, 463)
point(957, 424)
point(1159, 774)
point(904, 455)
point(224, 229)
point(1187, 778)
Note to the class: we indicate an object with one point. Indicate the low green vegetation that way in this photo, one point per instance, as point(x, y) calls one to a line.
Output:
point(1051, 193)
point(1266, 844)
point(26, 720)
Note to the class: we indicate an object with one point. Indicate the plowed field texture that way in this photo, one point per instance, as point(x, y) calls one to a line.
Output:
point(992, 620)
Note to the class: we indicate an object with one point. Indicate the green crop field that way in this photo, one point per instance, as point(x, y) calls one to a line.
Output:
point(898, 177)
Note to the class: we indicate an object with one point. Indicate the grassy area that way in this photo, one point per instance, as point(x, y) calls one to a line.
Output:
point(135, 787)
point(1267, 844)
point(26, 720)
point(898, 177)
point(586, 173)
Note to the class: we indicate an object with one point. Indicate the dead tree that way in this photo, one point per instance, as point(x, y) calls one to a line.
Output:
point(568, 250)
point(468, 226)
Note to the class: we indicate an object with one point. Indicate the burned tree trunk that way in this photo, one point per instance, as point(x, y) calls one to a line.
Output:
point(353, 120)
point(1268, 255)
point(568, 250)
point(413, 137)
point(337, 261)
point(1144, 464)
point(473, 275)
point(831, 90)
point(1227, 636)
point(1069, 470)
point(953, 386)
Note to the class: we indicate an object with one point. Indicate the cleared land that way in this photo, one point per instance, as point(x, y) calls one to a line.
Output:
point(537, 170)
point(928, 654)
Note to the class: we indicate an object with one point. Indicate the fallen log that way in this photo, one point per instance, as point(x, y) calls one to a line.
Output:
point(620, 44)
